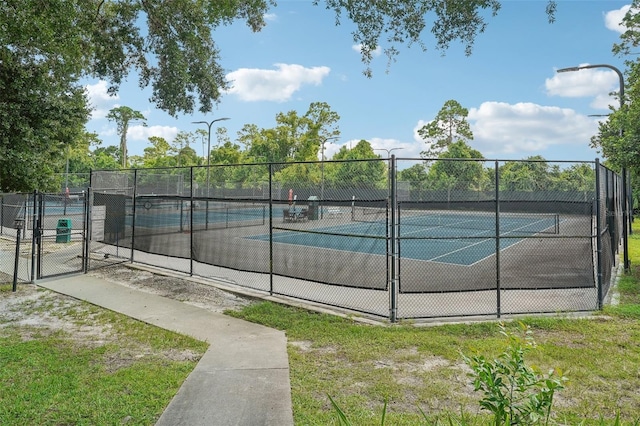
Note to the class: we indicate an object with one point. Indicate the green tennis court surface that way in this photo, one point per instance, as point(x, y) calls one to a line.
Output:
point(451, 239)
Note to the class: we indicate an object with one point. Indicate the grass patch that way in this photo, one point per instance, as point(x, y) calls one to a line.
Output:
point(416, 375)
point(68, 362)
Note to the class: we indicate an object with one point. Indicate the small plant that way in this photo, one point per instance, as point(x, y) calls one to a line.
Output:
point(342, 417)
point(515, 393)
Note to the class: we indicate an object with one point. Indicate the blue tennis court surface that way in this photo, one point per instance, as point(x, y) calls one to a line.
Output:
point(451, 245)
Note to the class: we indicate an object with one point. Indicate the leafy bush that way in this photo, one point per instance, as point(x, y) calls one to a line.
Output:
point(512, 391)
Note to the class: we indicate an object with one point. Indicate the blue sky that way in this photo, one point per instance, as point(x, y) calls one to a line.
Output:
point(518, 105)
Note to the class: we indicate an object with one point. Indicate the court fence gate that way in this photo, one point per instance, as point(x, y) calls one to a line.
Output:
point(395, 238)
point(42, 235)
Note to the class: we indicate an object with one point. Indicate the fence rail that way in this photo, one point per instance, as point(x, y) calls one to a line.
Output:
point(392, 238)
point(396, 238)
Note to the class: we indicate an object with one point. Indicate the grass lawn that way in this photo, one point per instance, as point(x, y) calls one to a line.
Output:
point(420, 373)
point(65, 362)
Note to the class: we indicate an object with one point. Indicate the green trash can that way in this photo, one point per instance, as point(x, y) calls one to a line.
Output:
point(312, 209)
point(63, 231)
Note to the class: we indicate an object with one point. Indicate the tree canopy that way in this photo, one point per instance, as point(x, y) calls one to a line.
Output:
point(448, 127)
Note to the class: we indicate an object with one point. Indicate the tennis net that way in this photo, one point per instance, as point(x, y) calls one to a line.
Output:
point(525, 223)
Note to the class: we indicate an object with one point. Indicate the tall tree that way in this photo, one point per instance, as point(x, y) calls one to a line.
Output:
point(170, 44)
point(40, 116)
point(123, 116)
point(449, 126)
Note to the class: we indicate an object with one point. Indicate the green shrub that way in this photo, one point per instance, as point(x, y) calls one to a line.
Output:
point(513, 392)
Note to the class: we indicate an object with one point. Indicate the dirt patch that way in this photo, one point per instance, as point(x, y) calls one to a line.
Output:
point(174, 287)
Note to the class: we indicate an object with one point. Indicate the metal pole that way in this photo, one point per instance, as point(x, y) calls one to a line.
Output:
point(35, 235)
point(17, 260)
point(625, 212)
point(322, 181)
point(191, 201)
point(598, 236)
point(133, 217)
point(208, 124)
point(270, 229)
point(324, 140)
point(393, 239)
point(66, 183)
point(497, 210)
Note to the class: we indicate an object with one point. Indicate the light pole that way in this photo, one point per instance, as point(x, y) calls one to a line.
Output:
point(66, 183)
point(324, 140)
point(625, 219)
point(388, 151)
point(209, 124)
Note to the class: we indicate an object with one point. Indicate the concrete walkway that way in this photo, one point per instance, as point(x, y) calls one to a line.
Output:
point(242, 379)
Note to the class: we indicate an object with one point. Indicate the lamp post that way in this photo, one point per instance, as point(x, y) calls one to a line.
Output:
point(625, 219)
point(66, 183)
point(209, 124)
point(388, 151)
point(324, 140)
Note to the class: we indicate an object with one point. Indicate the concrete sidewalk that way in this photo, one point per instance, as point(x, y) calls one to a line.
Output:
point(242, 379)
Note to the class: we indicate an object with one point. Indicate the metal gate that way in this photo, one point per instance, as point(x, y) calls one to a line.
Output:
point(59, 233)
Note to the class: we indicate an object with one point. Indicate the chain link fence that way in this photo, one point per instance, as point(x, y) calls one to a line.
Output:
point(395, 238)
point(43, 234)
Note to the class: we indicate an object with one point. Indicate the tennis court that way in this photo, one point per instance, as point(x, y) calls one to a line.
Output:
point(178, 213)
point(460, 239)
point(483, 244)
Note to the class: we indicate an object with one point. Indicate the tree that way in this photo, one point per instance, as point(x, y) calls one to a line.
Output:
point(404, 21)
point(170, 45)
point(529, 175)
point(461, 175)
point(40, 116)
point(449, 126)
point(370, 174)
point(295, 137)
point(106, 158)
point(123, 115)
point(416, 175)
point(156, 155)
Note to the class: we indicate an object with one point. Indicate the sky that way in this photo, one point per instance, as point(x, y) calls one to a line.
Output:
point(519, 106)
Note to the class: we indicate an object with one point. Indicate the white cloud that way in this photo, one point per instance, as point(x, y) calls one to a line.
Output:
point(142, 133)
point(101, 102)
point(270, 17)
point(376, 52)
point(595, 82)
point(526, 128)
point(252, 84)
point(613, 19)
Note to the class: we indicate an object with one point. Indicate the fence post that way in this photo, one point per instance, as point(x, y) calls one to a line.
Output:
point(625, 220)
point(191, 202)
point(133, 217)
point(393, 300)
point(271, 229)
point(35, 229)
point(497, 211)
point(598, 235)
